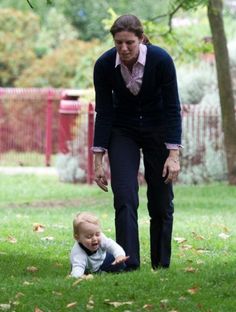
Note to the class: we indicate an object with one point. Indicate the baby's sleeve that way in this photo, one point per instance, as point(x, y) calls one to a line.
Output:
point(78, 264)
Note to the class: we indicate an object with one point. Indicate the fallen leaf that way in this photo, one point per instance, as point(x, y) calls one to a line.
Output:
point(36, 309)
point(90, 304)
point(190, 270)
point(193, 291)
point(202, 250)
point(56, 293)
point(27, 283)
point(88, 277)
point(197, 236)
point(71, 305)
point(5, 306)
point(11, 239)
point(37, 227)
point(148, 307)
point(58, 265)
point(32, 269)
point(224, 236)
point(180, 240)
point(225, 229)
point(165, 301)
point(199, 262)
point(186, 247)
point(19, 294)
point(79, 280)
point(182, 298)
point(117, 304)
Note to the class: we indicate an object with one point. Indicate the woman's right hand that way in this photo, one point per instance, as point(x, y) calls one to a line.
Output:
point(100, 177)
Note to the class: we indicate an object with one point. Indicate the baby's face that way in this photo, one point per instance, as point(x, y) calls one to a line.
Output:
point(90, 236)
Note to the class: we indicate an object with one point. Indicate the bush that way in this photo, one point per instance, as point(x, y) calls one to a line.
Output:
point(58, 68)
point(196, 82)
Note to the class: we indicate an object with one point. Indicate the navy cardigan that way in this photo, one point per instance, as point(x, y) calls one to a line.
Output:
point(157, 102)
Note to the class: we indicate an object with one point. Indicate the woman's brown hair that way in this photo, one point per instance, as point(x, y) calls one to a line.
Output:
point(127, 23)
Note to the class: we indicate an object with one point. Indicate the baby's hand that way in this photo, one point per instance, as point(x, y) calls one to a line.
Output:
point(120, 259)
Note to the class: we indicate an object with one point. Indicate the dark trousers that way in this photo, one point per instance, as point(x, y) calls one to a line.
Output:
point(124, 157)
point(108, 267)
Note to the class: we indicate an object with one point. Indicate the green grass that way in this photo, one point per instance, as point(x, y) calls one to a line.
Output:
point(201, 214)
point(25, 159)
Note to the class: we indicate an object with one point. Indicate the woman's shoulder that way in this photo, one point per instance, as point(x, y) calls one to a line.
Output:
point(107, 57)
point(156, 51)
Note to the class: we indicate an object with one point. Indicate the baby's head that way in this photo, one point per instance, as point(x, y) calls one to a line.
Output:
point(87, 230)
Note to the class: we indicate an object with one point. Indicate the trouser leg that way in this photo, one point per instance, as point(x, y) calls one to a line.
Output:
point(160, 205)
point(124, 157)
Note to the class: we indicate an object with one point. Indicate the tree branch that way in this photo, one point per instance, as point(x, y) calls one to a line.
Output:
point(170, 16)
point(30, 4)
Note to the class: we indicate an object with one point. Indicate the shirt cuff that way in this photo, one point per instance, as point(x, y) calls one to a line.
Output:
point(98, 149)
point(173, 146)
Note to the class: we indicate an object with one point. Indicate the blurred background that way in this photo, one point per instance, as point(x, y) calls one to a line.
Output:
point(47, 54)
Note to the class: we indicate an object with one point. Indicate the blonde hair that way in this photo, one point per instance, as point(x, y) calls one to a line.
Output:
point(84, 217)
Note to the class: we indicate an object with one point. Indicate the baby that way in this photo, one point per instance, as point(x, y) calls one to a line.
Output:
point(93, 251)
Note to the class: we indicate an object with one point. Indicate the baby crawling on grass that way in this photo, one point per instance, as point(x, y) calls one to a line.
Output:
point(93, 252)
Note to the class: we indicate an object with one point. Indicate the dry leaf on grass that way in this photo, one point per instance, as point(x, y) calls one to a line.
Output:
point(28, 283)
point(186, 247)
point(202, 250)
point(180, 240)
point(19, 294)
point(224, 236)
point(39, 228)
point(5, 306)
point(182, 298)
point(71, 305)
point(197, 236)
point(56, 293)
point(83, 278)
point(148, 307)
point(190, 270)
point(58, 265)
point(11, 239)
point(32, 269)
point(193, 290)
point(90, 304)
point(200, 262)
point(117, 304)
point(36, 309)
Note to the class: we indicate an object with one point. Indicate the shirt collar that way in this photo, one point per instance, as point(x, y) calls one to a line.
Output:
point(141, 57)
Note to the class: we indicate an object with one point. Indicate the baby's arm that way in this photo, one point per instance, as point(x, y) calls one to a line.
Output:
point(120, 259)
point(78, 263)
point(115, 249)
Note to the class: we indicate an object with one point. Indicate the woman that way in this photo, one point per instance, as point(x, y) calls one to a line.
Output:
point(138, 108)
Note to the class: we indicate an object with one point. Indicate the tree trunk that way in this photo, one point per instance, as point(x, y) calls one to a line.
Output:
point(215, 8)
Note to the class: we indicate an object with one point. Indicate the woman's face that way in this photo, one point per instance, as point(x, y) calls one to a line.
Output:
point(127, 45)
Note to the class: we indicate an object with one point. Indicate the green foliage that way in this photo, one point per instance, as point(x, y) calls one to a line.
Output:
point(87, 15)
point(57, 68)
point(189, 4)
point(52, 34)
point(17, 37)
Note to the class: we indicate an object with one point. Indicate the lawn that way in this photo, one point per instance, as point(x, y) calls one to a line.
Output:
point(34, 266)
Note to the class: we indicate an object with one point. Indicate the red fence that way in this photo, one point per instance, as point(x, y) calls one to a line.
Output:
point(34, 128)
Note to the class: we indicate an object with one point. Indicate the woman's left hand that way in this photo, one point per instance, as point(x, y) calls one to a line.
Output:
point(171, 168)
